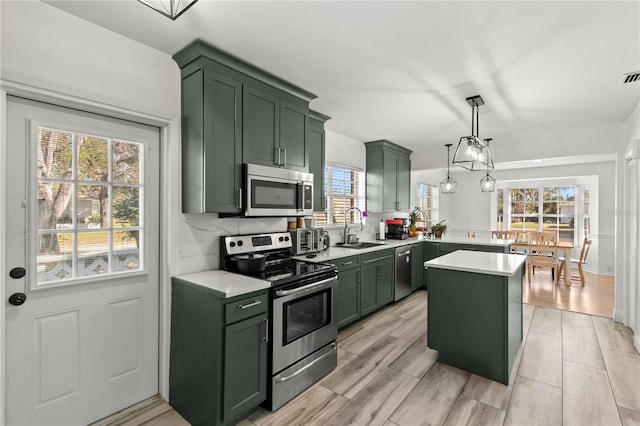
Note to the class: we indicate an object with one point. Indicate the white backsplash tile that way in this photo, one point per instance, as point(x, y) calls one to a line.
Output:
point(199, 238)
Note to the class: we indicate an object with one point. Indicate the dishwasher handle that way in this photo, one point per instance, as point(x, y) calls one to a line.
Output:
point(404, 253)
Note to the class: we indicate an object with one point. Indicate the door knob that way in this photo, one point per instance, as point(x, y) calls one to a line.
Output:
point(17, 299)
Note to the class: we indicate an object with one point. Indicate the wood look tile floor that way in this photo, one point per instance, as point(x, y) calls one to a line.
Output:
point(572, 369)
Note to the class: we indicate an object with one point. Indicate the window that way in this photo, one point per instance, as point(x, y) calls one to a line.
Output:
point(344, 187)
point(89, 198)
point(428, 202)
point(547, 208)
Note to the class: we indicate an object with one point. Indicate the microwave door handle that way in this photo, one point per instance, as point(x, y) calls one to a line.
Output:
point(300, 198)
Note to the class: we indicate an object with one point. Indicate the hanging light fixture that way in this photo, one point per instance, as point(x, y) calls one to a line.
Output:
point(487, 183)
point(172, 9)
point(448, 186)
point(472, 152)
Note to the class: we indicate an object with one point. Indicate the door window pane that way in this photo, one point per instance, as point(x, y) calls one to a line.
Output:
point(89, 200)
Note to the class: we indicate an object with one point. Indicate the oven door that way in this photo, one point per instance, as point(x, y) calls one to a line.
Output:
point(304, 320)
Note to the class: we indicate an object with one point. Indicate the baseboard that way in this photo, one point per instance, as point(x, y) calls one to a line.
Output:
point(636, 341)
point(618, 316)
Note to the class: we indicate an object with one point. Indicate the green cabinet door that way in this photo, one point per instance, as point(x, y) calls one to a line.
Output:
point(211, 124)
point(388, 176)
point(390, 182)
point(348, 296)
point(385, 283)
point(403, 190)
point(294, 124)
point(430, 252)
point(245, 366)
point(368, 288)
point(417, 265)
point(316, 149)
point(260, 128)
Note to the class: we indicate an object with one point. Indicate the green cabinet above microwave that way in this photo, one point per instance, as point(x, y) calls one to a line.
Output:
point(235, 113)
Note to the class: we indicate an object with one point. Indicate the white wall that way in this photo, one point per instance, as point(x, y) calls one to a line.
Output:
point(344, 150)
point(528, 146)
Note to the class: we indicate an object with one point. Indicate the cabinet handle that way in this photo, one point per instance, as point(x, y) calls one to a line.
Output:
point(285, 156)
point(239, 203)
point(348, 263)
point(249, 305)
point(266, 330)
point(277, 163)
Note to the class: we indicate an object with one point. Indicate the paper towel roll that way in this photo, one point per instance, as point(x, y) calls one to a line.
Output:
point(382, 230)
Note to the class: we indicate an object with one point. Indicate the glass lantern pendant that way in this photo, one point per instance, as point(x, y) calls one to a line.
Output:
point(472, 152)
point(448, 186)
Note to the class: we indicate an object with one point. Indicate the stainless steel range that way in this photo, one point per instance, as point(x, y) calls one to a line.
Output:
point(304, 326)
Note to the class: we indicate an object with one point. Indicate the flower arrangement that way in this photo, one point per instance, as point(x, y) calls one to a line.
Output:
point(439, 228)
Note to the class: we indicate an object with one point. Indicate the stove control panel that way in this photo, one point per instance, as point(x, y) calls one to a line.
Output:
point(239, 244)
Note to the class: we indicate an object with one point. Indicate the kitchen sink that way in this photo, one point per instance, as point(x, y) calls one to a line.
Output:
point(360, 245)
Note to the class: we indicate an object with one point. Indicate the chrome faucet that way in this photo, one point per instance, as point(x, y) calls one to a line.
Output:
point(346, 225)
point(424, 217)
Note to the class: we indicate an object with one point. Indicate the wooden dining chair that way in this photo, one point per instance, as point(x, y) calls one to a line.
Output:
point(521, 242)
point(542, 253)
point(586, 245)
point(502, 235)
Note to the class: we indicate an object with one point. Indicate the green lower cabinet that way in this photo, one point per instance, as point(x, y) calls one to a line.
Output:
point(417, 266)
point(348, 304)
point(245, 362)
point(218, 353)
point(368, 288)
point(385, 283)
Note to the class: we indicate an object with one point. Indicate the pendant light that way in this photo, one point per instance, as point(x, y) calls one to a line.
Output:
point(472, 152)
point(172, 9)
point(448, 186)
point(487, 183)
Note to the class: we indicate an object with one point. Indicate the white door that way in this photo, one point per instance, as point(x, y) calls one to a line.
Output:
point(83, 221)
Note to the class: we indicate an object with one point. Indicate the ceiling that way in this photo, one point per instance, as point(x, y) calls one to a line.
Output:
point(401, 70)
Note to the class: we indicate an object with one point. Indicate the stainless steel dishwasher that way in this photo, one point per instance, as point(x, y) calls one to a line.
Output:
point(403, 272)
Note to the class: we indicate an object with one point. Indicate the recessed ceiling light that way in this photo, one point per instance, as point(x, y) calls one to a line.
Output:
point(536, 161)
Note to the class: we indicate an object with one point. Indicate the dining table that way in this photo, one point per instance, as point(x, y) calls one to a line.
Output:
point(559, 248)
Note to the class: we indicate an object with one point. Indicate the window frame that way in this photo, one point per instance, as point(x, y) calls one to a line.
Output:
point(432, 202)
point(583, 221)
point(33, 208)
point(358, 197)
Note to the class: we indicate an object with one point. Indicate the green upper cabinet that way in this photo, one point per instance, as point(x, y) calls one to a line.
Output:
point(388, 177)
point(211, 105)
point(294, 124)
point(274, 130)
point(316, 144)
point(235, 113)
point(261, 127)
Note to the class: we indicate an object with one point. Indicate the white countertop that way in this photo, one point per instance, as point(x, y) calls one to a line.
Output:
point(336, 252)
point(479, 262)
point(227, 284)
point(475, 241)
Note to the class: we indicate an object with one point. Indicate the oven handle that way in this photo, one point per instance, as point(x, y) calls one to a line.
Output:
point(287, 378)
point(306, 288)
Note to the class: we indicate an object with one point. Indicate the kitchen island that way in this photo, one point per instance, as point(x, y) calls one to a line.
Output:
point(474, 313)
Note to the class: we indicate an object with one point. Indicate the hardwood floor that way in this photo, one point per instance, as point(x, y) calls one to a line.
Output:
point(572, 368)
point(595, 298)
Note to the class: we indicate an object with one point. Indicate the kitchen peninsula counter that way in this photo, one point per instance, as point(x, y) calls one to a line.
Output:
point(475, 311)
point(451, 244)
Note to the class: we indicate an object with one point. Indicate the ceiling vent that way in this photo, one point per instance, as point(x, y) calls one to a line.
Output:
point(631, 77)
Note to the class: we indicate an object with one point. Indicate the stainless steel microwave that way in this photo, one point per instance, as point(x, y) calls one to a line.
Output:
point(271, 191)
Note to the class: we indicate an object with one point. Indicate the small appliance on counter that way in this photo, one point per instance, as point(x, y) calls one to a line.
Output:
point(306, 240)
point(396, 229)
